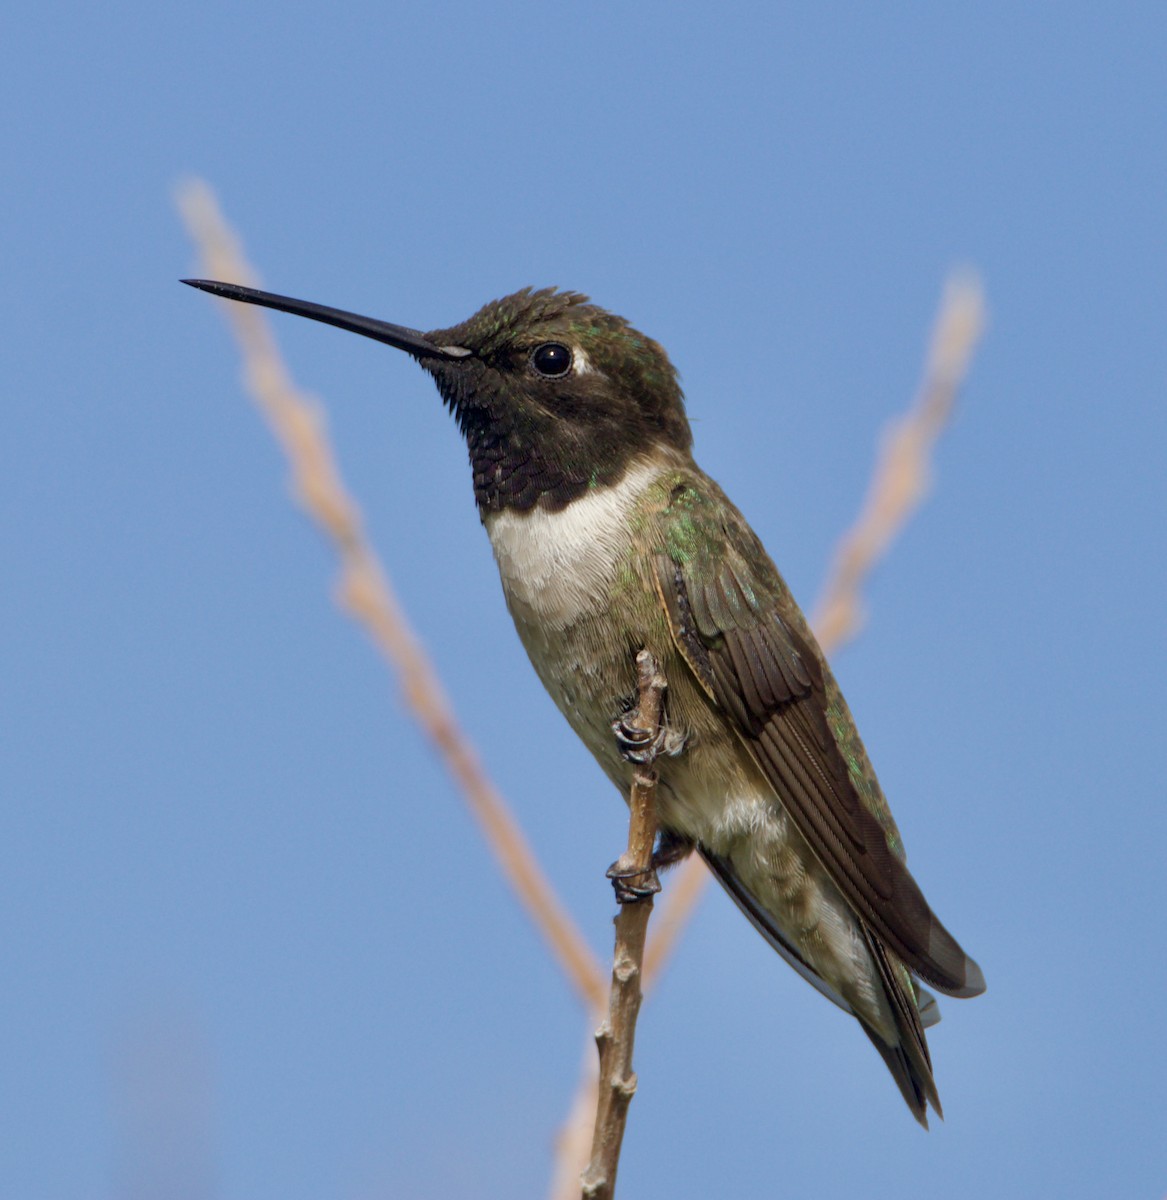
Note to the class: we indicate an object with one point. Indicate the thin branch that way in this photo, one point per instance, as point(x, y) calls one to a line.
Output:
point(898, 486)
point(617, 1035)
point(904, 471)
point(364, 591)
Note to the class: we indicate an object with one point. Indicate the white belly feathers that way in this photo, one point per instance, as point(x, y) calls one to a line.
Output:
point(554, 565)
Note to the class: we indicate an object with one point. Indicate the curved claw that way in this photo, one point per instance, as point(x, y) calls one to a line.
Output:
point(642, 746)
point(632, 884)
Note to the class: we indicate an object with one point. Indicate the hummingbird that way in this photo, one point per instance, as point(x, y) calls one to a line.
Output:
point(609, 539)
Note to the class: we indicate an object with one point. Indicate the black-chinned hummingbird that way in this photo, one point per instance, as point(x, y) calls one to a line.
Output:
point(610, 539)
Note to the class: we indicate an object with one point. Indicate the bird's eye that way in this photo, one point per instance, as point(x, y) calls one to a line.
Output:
point(551, 359)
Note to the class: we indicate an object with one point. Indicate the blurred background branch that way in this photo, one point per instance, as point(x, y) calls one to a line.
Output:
point(903, 470)
point(298, 422)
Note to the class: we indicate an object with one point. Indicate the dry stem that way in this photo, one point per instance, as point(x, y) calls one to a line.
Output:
point(898, 485)
point(617, 1035)
point(298, 422)
point(904, 470)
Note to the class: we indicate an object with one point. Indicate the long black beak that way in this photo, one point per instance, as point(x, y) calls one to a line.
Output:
point(409, 340)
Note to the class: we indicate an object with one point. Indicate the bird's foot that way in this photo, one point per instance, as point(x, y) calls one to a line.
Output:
point(642, 746)
point(632, 883)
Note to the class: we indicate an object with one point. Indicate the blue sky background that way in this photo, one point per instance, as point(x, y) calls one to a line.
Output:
point(253, 945)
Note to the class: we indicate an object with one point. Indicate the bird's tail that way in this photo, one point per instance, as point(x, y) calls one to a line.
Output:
point(910, 1008)
point(908, 1059)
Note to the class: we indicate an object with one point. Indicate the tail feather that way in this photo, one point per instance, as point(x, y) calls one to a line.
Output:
point(908, 1061)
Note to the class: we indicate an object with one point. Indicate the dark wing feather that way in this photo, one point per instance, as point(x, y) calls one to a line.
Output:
point(734, 622)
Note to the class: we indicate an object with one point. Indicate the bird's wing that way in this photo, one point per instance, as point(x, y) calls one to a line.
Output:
point(736, 626)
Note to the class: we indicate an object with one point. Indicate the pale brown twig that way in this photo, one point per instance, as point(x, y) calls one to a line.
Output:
point(617, 1035)
point(898, 485)
point(904, 469)
point(298, 422)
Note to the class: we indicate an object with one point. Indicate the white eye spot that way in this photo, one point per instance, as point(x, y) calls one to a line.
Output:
point(581, 364)
point(554, 360)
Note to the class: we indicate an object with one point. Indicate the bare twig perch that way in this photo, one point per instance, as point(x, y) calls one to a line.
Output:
point(899, 484)
point(298, 423)
point(636, 884)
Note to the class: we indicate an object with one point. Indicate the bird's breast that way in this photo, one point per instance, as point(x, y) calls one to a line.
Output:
point(576, 588)
point(557, 568)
